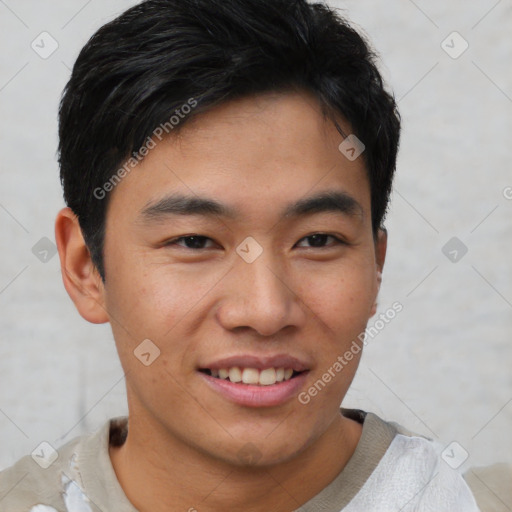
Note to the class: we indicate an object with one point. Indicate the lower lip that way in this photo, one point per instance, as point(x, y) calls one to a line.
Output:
point(257, 396)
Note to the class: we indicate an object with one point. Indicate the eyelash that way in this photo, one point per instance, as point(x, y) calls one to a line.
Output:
point(175, 240)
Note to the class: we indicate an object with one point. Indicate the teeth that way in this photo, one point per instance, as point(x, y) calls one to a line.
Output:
point(266, 377)
point(250, 376)
point(235, 375)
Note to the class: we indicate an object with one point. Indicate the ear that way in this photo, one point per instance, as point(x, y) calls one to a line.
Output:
point(381, 244)
point(80, 276)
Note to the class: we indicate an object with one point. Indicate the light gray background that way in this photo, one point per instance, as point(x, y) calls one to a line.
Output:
point(442, 367)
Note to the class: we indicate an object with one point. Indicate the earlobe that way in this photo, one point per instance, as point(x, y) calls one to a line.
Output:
point(380, 257)
point(381, 246)
point(379, 280)
point(81, 279)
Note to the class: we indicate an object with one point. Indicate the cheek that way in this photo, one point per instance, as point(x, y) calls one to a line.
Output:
point(343, 299)
point(158, 301)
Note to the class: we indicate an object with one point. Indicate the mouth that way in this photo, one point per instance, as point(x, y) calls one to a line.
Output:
point(253, 376)
point(253, 380)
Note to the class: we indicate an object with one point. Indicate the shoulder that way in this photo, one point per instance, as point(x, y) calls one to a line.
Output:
point(491, 486)
point(439, 486)
point(36, 479)
point(412, 475)
point(50, 477)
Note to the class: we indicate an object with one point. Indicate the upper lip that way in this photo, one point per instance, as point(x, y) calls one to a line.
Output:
point(259, 362)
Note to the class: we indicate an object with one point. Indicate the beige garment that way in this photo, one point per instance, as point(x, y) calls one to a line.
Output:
point(491, 487)
point(82, 477)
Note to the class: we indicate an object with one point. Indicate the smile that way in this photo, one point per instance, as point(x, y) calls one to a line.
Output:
point(253, 376)
point(261, 387)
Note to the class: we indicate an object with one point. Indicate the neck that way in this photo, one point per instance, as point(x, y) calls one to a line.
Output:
point(160, 474)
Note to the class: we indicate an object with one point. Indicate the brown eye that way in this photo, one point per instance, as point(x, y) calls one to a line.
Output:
point(318, 240)
point(194, 242)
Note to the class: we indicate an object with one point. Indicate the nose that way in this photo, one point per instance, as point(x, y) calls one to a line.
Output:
point(260, 296)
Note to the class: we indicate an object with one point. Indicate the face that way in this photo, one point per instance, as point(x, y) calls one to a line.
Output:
point(275, 275)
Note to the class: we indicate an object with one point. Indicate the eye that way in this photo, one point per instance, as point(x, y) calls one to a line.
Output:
point(197, 242)
point(318, 240)
point(194, 242)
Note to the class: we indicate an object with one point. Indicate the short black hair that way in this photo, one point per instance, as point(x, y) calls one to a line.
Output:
point(160, 55)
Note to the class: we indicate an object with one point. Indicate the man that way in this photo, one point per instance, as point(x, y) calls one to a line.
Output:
point(227, 168)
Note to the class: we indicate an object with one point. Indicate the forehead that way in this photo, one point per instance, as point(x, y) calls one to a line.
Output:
point(252, 154)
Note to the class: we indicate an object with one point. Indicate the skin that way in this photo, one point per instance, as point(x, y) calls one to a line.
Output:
point(256, 155)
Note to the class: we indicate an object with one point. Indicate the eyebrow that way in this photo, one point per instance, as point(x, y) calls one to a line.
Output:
point(178, 204)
